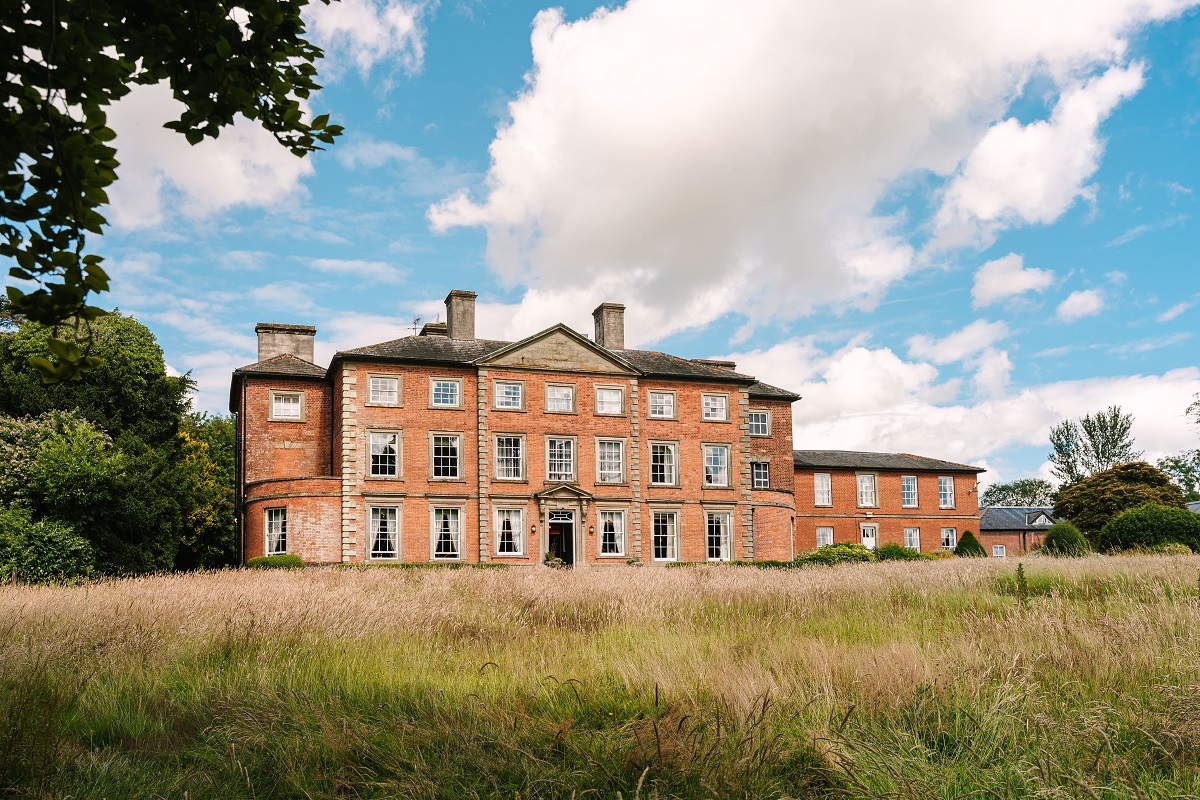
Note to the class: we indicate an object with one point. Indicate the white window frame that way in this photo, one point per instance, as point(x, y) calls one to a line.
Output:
point(433, 383)
point(916, 499)
point(497, 396)
point(725, 543)
point(458, 473)
point(608, 514)
point(601, 443)
point(574, 442)
point(371, 394)
point(673, 449)
point(434, 533)
point(953, 540)
point(757, 467)
point(620, 390)
point(662, 393)
point(277, 395)
point(860, 496)
point(399, 471)
point(671, 540)
point(275, 517)
point(497, 472)
point(518, 534)
point(943, 482)
point(766, 414)
point(821, 530)
point(912, 538)
point(707, 411)
point(373, 531)
point(709, 477)
point(571, 388)
point(823, 488)
point(999, 551)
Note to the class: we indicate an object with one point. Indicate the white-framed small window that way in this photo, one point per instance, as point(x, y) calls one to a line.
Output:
point(999, 551)
point(661, 405)
point(385, 454)
point(760, 422)
point(287, 406)
point(714, 407)
point(560, 398)
point(446, 533)
point(560, 458)
point(509, 395)
point(822, 489)
point(760, 474)
point(385, 532)
point(445, 392)
point(510, 457)
point(867, 496)
point(445, 456)
point(717, 535)
point(664, 464)
point(612, 533)
point(664, 537)
point(383, 390)
point(824, 535)
point(510, 532)
point(276, 519)
point(610, 401)
point(912, 538)
point(908, 491)
point(610, 461)
point(949, 538)
point(946, 491)
point(716, 465)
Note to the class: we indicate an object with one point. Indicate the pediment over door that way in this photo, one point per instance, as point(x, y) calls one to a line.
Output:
point(560, 349)
point(563, 491)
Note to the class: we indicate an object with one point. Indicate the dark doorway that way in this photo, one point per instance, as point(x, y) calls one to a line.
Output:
point(562, 536)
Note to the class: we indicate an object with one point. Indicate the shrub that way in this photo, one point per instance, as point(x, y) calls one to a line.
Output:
point(282, 561)
point(1093, 502)
point(1063, 540)
point(1150, 526)
point(969, 547)
point(833, 554)
point(42, 551)
point(1173, 549)
point(895, 552)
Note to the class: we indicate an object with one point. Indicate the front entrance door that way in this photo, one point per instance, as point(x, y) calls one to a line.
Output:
point(562, 535)
point(870, 535)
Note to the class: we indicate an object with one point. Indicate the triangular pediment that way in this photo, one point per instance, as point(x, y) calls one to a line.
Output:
point(559, 349)
point(563, 491)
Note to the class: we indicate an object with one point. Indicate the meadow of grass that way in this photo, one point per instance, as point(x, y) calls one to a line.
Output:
point(931, 679)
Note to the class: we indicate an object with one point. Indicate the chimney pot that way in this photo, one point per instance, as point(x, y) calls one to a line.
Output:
point(275, 339)
point(610, 325)
point(460, 314)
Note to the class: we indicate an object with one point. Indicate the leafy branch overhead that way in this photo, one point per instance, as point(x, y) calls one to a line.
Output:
point(67, 61)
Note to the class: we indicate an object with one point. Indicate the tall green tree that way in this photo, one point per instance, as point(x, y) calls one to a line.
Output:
point(1091, 503)
point(1095, 443)
point(1023, 492)
point(1184, 471)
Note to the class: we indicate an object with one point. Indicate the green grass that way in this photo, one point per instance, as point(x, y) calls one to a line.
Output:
point(927, 679)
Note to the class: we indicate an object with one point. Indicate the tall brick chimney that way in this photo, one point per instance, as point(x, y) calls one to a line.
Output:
point(610, 325)
point(460, 314)
point(275, 339)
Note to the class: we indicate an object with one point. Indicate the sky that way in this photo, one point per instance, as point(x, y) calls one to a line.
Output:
point(947, 225)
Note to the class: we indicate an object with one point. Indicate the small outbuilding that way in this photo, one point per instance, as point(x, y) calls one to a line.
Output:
point(1013, 530)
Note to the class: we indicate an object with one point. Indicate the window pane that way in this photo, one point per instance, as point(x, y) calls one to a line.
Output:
point(612, 533)
point(609, 401)
point(445, 521)
point(445, 393)
point(385, 391)
point(908, 491)
point(561, 459)
point(718, 537)
point(610, 468)
point(866, 490)
point(715, 406)
point(560, 398)
point(510, 461)
point(761, 473)
point(665, 531)
point(946, 491)
point(508, 395)
point(716, 465)
point(912, 538)
point(383, 532)
point(384, 454)
point(949, 538)
point(824, 535)
point(285, 406)
point(662, 464)
point(662, 404)
point(510, 531)
point(758, 423)
point(445, 456)
point(276, 531)
point(999, 551)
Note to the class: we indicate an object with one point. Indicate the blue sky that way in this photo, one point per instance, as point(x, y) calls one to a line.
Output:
point(948, 226)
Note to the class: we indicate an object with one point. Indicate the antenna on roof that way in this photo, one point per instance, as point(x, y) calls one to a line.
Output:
point(416, 326)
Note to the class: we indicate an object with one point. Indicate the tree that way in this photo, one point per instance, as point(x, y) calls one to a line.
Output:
point(1193, 410)
point(1151, 526)
point(67, 61)
point(1097, 442)
point(1023, 492)
point(1095, 500)
point(969, 547)
point(1064, 540)
point(1184, 471)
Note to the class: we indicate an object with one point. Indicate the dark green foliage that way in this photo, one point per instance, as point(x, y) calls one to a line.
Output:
point(1065, 541)
point(1024, 492)
point(282, 561)
point(42, 551)
point(834, 554)
point(1092, 502)
point(1096, 443)
point(896, 552)
point(1184, 471)
point(1151, 526)
point(969, 547)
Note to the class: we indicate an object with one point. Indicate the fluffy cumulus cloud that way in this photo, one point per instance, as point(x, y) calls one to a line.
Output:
point(1007, 277)
point(976, 337)
point(1080, 304)
point(713, 156)
point(364, 33)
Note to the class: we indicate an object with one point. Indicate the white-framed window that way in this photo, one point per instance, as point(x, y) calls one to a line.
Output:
point(510, 457)
point(824, 535)
point(383, 390)
point(610, 401)
point(446, 452)
point(385, 454)
point(716, 465)
point(946, 491)
point(912, 538)
point(867, 496)
point(717, 535)
point(999, 551)
point(446, 532)
point(665, 535)
point(287, 406)
point(664, 464)
point(510, 532)
point(385, 532)
point(949, 538)
point(276, 531)
point(760, 422)
point(612, 533)
point(661, 405)
point(445, 392)
point(610, 461)
point(760, 474)
point(508, 394)
point(908, 491)
point(714, 407)
point(560, 459)
point(822, 489)
point(560, 398)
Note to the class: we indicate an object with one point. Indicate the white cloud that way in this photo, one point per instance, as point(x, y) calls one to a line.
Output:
point(368, 32)
point(1080, 304)
point(370, 271)
point(1138, 230)
point(716, 156)
point(1007, 277)
point(1175, 310)
point(962, 344)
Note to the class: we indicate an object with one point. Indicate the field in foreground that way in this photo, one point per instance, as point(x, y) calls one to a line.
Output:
point(907, 680)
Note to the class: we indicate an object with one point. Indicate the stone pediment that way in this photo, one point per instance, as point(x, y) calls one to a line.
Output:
point(559, 349)
point(563, 491)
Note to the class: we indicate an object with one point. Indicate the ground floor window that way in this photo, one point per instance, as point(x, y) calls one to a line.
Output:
point(949, 538)
point(448, 533)
point(824, 535)
point(510, 530)
point(718, 536)
point(276, 531)
point(384, 530)
point(665, 536)
point(912, 538)
point(612, 533)
point(999, 551)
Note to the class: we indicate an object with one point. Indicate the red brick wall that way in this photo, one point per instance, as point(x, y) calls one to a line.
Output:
point(313, 517)
point(285, 449)
point(1012, 540)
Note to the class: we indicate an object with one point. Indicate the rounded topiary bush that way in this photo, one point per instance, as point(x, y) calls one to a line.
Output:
point(282, 561)
point(1173, 549)
point(1150, 526)
point(969, 547)
point(833, 554)
point(1065, 541)
point(896, 552)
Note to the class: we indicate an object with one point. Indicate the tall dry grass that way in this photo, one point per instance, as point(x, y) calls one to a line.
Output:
point(931, 679)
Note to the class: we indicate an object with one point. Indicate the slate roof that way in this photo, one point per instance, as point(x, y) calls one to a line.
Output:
point(1013, 518)
point(766, 391)
point(854, 459)
point(1194, 506)
point(284, 366)
point(665, 365)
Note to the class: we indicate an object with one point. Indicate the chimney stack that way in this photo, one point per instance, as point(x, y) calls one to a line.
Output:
point(610, 325)
point(275, 339)
point(460, 314)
